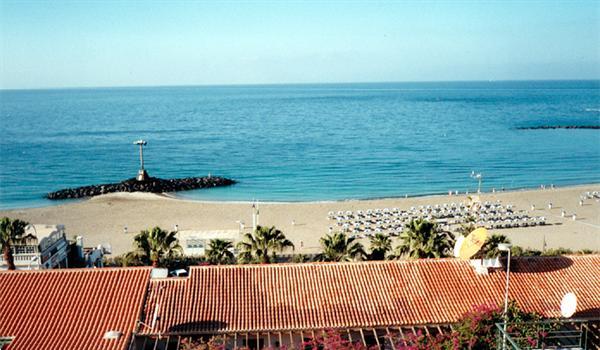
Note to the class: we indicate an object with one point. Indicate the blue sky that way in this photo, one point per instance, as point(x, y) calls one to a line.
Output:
point(81, 44)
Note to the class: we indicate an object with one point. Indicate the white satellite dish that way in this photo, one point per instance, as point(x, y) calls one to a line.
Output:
point(568, 305)
point(459, 242)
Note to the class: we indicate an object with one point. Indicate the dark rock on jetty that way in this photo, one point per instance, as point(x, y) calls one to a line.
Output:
point(152, 184)
point(559, 127)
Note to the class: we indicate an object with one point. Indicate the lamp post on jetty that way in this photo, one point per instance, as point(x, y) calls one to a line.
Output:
point(142, 174)
point(478, 177)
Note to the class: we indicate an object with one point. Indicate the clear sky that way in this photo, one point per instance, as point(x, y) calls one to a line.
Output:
point(80, 44)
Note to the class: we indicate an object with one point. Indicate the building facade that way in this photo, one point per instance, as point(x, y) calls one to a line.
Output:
point(41, 247)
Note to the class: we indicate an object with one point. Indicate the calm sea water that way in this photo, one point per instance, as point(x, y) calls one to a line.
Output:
point(302, 142)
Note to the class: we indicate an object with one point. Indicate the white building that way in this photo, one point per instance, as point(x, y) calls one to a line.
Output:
point(194, 243)
point(41, 247)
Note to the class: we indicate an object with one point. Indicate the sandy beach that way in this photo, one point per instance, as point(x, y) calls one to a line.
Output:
point(102, 219)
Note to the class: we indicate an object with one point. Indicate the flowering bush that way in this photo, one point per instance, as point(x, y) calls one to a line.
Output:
point(333, 340)
point(476, 331)
point(214, 343)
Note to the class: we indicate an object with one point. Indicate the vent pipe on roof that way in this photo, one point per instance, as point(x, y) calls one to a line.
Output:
point(112, 335)
point(483, 266)
point(159, 273)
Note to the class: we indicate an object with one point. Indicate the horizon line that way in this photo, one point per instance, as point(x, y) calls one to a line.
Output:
point(225, 85)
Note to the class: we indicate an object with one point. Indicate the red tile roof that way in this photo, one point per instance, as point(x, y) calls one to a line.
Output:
point(369, 294)
point(71, 308)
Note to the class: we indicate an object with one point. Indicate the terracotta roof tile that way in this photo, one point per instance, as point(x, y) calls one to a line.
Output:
point(71, 308)
point(320, 295)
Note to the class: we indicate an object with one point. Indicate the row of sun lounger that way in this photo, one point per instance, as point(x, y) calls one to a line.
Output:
point(364, 223)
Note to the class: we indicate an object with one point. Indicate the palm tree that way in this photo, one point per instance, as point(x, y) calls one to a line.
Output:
point(339, 247)
point(467, 227)
point(261, 247)
point(490, 248)
point(423, 239)
point(380, 246)
point(157, 244)
point(10, 231)
point(219, 251)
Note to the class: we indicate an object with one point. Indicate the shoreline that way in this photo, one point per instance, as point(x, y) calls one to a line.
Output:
point(174, 196)
point(103, 219)
point(366, 199)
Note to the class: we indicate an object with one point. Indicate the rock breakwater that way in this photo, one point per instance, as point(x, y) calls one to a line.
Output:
point(152, 184)
point(543, 127)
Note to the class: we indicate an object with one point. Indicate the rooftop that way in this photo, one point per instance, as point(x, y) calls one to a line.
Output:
point(71, 308)
point(75, 308)
point(281, 297)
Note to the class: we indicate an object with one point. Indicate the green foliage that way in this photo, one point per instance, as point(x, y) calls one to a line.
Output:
point(557, 252)
point(182, 262)
point(262, 246)
point(300, 258)
point(490, 247)
point(155, 244)
point(219, 252)
point(10, 232)
point(476, 331)
point(423, 239)
point(339, 247)
point(520, 251)
point(127, 259)
point(477, 328)
point(381, 245)
point(467, 227)
point(214, 343)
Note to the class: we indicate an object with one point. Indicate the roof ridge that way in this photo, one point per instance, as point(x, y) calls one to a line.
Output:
point(77, 270)
point(328, 263)
point(379, 262)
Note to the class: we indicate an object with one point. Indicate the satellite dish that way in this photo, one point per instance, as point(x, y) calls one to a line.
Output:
point(568, 305)
point(472, 243)
point(459, 242)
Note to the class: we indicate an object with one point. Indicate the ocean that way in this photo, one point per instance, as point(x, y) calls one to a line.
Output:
point(302, 142)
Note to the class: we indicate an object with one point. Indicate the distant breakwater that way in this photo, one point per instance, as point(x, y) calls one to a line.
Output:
point(542, 127)
point(152, 184)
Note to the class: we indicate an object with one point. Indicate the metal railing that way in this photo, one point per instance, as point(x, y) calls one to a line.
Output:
point(548, 334)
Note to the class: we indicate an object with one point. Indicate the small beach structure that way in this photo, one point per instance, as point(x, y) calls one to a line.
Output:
point(194, 242)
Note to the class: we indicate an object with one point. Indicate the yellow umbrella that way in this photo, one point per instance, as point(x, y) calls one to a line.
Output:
point(472, 243)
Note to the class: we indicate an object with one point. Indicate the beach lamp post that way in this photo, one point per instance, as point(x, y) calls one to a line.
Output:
point(505, 247)
point(478, 177)
point(255, 215)
point(142, 174)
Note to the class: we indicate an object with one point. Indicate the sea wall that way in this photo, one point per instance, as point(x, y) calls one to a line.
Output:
point(152, 184)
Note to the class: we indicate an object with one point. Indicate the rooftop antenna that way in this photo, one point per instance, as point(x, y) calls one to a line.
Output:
point(142, 174)
point(568, 305)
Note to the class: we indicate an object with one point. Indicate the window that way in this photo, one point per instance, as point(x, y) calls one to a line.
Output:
point(5, 341)
point(194, 243)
